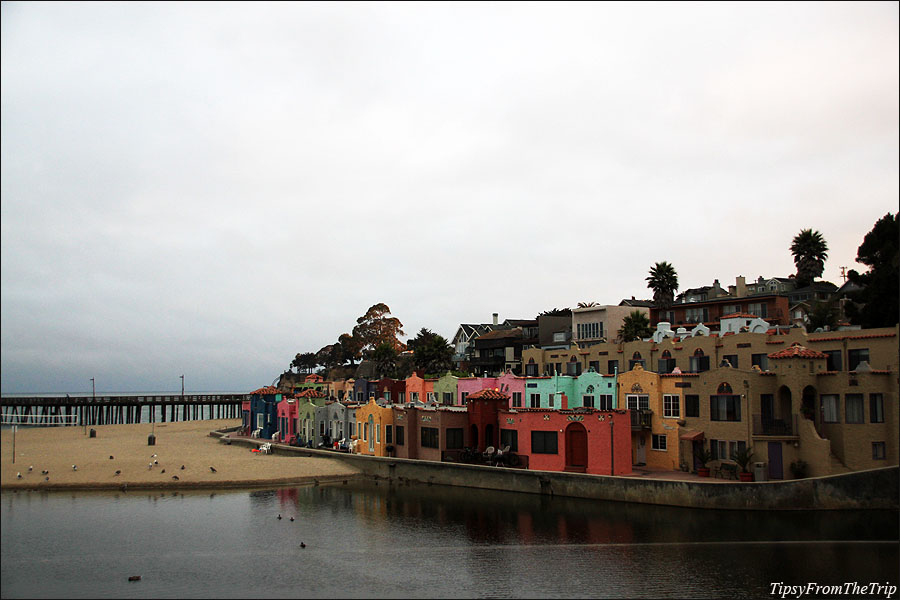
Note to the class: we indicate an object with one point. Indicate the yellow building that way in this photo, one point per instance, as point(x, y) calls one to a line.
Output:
point(375, 424)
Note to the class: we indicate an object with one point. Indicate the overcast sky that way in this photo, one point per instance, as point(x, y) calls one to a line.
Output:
point(208, 189)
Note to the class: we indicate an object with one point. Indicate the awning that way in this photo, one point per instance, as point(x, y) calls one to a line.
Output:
point(694, 436)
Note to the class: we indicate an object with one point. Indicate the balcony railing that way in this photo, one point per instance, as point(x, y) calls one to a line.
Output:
point(777, 427)
point(640, 419)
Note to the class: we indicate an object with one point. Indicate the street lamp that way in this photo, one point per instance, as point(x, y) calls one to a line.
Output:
point(612, 455)
point(182, 386)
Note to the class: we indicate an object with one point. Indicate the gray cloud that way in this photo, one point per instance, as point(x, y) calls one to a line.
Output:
point(209, 189)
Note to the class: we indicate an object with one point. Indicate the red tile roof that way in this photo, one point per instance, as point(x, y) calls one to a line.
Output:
point(267, 391)
point(739, 315)
point(852, 337)
point(798, 351)
point(309, 393)
point(488, 394)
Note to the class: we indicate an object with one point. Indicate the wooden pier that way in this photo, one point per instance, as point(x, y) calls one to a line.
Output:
point(119, 409)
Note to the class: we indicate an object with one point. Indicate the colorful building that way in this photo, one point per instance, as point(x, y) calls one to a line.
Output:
point(376, 422)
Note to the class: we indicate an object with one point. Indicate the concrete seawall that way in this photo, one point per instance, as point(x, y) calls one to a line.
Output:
point(872, 489)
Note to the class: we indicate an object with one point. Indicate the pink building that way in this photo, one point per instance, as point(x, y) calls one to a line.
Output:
point(470, 385)
point(287, 419)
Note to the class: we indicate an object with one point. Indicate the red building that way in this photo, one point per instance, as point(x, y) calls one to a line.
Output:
point(484, 407)
point(580, 440)
point(287, 419)
point(430, 433)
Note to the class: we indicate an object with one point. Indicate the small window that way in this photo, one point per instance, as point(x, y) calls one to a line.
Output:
point(448, 398)
point(830, 408)
point(659, 442)
point(691, 405)
point(509, 437)
point(388, 434)
point(463, 396)
point(430, 437)
point(878, 451)
point(732, 360)
point(876, 408)
point(401, 440)
point(606, 402)
point(671, 406)
point(454, 438)
point(612, 367)
point(517, 399)
point(544, 442)
point(854, 357)
point(535, 401)
point(854, 409)
point(761, 361)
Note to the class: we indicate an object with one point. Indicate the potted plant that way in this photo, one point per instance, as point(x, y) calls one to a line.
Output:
point(799, 469)
point(743, 456)
point(703, 457)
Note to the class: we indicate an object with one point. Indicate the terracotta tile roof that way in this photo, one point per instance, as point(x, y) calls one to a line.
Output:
point(797, 351)
point(309, 393)
point(488, 394)
point(267, 391)
point(867, 336)
point(679, 374)
point(739, 315)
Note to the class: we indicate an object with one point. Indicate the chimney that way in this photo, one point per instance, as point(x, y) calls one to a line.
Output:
point(563, 401)
point(495, 318)
point(740, 286)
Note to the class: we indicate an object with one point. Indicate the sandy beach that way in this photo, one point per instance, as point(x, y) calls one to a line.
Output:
point(124, 448)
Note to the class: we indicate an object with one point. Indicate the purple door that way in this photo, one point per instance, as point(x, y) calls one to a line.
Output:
point(776, 468)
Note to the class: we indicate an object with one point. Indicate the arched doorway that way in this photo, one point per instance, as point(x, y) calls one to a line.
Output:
point(576, 448)
point(371, 433)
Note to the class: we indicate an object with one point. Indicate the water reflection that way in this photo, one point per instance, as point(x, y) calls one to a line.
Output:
point(364, 540)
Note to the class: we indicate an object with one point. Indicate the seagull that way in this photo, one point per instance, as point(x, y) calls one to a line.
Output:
point(149, 466)
point(279, 517)
point(45, 472)
point(163, 470)
point(155, 462)
point(302, 545)
point(74, 467)
point(18, 476)
point(119, 472)
point(46, 479)
point(31, 468)
point(182, 467)
point(292, 518)
point(213, 469)
point(175, 477)
point(111, 457)
point(152, 456)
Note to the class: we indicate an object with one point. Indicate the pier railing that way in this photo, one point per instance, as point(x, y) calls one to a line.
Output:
point(118, 409)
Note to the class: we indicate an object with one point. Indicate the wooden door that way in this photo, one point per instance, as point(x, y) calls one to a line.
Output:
point(576, 447)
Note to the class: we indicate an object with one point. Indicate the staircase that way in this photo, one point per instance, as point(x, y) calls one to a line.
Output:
point(837, 466)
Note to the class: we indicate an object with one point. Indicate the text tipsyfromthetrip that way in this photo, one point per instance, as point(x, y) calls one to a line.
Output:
point(850, 588)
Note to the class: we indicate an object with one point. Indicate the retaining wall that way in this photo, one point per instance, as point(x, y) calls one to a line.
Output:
point(872, 489)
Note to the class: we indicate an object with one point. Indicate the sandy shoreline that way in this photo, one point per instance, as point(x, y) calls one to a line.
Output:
point(56, 449)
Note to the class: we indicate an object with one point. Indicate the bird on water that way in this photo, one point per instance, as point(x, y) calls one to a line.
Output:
point(302, 545)
point(279, 517)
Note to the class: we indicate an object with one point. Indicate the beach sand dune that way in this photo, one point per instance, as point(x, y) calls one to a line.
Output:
point(188, 444)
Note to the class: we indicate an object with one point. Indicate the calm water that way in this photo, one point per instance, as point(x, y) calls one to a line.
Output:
point(420, 541)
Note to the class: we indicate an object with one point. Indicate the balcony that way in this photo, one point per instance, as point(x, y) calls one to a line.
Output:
point(775, 427)
point(640, 419)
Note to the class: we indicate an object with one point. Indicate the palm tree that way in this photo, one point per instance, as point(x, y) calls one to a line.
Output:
point(636, 326)
point(663, 281)
point(810, 251)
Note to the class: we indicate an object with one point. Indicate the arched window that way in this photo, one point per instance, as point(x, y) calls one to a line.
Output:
point(636, 356)
point(724, 388)
point(666, 354)
point(635, 360)
point(699, 361)
point(587, 399)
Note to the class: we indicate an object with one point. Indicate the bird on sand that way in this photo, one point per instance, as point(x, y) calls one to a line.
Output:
point(119, 472)
point(163, 470)
point(155, 462)
point(111, 457)
point(18, 476)
point(45, 472)
point(182, 467)
point(31, 468)
point(74, 467)
point(46, 479)
point(152, 456)
point(175, 477)
point(213, 469)
point(149, 466)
